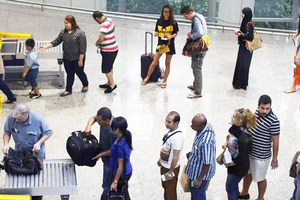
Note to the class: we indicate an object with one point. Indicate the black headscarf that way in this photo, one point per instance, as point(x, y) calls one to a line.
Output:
point(248, 17)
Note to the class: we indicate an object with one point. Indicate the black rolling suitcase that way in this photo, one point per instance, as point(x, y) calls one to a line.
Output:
point(82, 148)
point(146, 60)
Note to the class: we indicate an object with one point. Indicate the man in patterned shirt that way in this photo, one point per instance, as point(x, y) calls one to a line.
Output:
point(201, 166)
point(266, 132)
point(109, 48)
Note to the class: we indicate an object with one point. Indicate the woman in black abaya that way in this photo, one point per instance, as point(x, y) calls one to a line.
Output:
point(241, 72)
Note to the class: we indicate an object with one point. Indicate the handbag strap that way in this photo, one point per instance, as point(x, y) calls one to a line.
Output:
point(252, 25)
point(199, 19)
point(165, 140)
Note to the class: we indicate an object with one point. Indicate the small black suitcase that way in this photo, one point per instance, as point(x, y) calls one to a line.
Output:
point(82, 148)
point(146, 60)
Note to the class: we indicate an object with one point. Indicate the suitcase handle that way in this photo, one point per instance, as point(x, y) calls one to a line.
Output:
point(151, 34)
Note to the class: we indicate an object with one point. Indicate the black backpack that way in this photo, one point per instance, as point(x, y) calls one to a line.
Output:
point(25, 163)
point(82, 148)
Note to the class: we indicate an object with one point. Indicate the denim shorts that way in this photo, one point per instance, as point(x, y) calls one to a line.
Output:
point(31, 77)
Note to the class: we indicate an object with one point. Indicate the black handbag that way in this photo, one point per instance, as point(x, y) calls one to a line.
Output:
point(116, 195)
point(82, 148)
point(293, 168)
point(25, 163)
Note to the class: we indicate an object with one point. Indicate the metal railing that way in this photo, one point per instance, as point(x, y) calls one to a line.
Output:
point(143, 17)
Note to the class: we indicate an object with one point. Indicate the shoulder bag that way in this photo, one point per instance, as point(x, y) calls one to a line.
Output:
point(256, 43)
point(194, 47)
point(293, 168)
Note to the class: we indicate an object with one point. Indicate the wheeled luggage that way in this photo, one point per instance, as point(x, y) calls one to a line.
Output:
point(82, 148)
point(146, 60)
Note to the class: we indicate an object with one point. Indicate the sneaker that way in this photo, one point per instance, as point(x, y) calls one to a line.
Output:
point(32, 92)
point(35, 96)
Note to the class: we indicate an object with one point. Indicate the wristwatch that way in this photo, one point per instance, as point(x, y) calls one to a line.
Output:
point(115, 181)
point(169, 175)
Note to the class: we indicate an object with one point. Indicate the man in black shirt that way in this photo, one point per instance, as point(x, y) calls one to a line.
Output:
point(106, 140)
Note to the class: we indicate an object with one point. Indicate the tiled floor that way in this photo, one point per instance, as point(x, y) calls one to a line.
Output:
point(145, 107)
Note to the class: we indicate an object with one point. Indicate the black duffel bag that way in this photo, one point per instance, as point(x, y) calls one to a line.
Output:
point(25, 163)
point(82, 148)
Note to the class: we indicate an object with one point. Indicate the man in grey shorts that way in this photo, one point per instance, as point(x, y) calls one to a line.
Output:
point(266, 132)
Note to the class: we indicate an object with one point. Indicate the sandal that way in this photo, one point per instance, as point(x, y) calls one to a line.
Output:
point(193, 96)
point(65, 93)
point(10, 101)
point(163, 85)
point(290, 91)
point(143, 82)
point(84, 89)
point(191, 87)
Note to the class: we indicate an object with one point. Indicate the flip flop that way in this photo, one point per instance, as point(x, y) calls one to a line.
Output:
point(143, 82)
point(194, 96)
point(163, 85)
point(290, 91)
point(191, 87)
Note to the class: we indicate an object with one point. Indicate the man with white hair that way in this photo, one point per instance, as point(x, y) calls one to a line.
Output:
point(28, 129)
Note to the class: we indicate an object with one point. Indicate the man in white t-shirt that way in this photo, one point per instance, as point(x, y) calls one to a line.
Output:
point(169, 161)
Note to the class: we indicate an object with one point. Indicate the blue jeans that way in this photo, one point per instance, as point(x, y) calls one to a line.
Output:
point(199, 193)
point(31, 77)
point(5, 89)
point(296, 193)
point(107, 180)
point(232, 186)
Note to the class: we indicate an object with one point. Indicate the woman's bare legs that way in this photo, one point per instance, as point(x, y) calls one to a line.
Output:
point(152, 67)
point(167, 70)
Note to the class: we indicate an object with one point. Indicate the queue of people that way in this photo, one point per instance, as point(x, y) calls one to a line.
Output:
point(255, 137)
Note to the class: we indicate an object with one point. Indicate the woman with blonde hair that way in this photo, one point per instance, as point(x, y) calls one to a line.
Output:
point(166, 29)
point(239, 139)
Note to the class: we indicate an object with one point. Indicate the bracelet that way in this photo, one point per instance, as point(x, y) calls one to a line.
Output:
point(275, 161)
point(115, 181)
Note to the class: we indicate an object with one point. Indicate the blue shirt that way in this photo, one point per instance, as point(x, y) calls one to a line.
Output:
point(199, 26)
point(27, 134)
point(120, 150)
point(203, 152)
point(31, 59)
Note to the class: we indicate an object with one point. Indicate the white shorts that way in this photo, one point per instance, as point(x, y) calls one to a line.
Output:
point(259, 169)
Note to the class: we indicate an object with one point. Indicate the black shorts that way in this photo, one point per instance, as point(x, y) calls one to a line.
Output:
point(108, 59)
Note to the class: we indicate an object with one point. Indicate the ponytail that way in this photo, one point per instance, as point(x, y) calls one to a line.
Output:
point(250, 119)
point(247, 117)
point(121, 124)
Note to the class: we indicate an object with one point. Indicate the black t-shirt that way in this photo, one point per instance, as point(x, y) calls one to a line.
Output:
point(165, 28)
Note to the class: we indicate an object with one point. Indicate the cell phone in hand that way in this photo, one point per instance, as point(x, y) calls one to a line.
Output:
point(164, 176)
point(236, 32)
